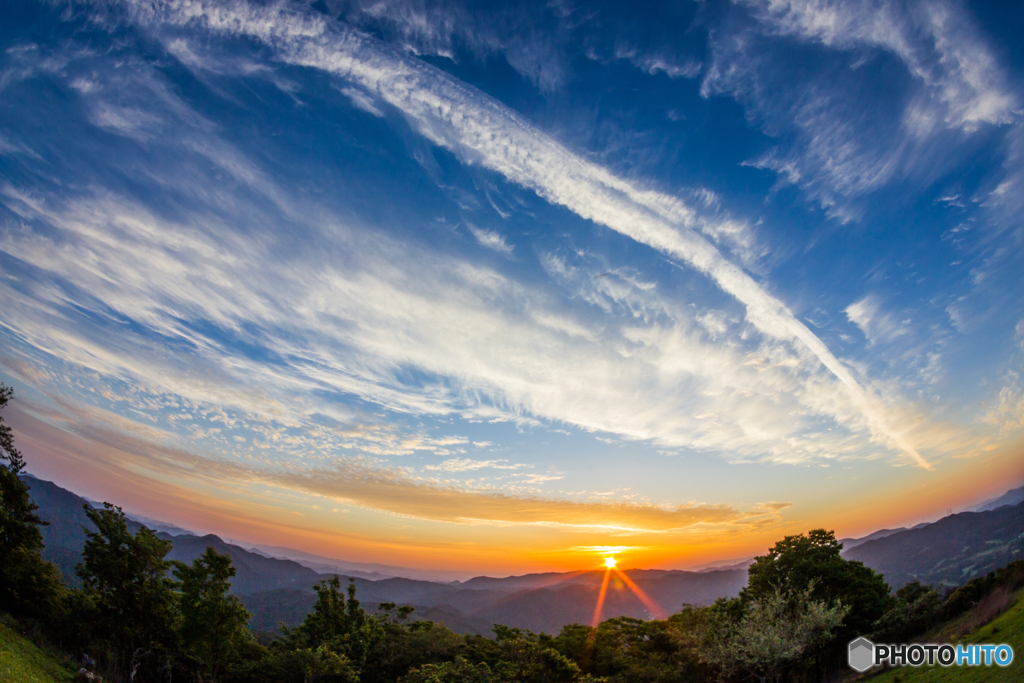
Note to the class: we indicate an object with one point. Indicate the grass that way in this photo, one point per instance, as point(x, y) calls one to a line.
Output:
point(1007, 628)
point(23, 662)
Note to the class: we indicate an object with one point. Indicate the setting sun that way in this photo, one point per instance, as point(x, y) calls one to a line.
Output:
point(609, 562)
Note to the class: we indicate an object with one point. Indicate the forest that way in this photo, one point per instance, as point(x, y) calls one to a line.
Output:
point(141, 617)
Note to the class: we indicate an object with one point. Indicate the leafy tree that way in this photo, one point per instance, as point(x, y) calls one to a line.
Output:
point(916, 609)
point(339, 623)
point(627, 649)
point(404, 646)
point(213, 623)
point(776, 630)
point(29, 586)
point(796, 562)
point(524, 659)
point(323, 665)
point(458, 671)
point(128, 595)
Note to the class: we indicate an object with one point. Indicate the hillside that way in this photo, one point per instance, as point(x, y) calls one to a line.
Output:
point(23, 662)
point(1007, 628)
point(950, 551)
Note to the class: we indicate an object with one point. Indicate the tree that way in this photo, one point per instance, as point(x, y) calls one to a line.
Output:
point(916, 609)
point(525, 660)
point(795, 562)
point(213, 623)
point(458, 671)
point(775, 631)
point(126, 587)
point(339, 623)
point(29, 586)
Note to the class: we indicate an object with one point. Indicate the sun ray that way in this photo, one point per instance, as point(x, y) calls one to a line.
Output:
point(656, 611)
point(600, 598)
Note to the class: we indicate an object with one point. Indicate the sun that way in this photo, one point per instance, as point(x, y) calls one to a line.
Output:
point(609, 562)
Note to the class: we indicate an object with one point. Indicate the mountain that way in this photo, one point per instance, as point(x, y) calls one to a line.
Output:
point(950, 551)
point(279, 589)
point(64, 540)
point(366, 570)
point(851, 543)
point(1011, 497)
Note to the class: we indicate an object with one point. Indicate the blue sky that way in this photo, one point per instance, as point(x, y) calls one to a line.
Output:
point(468, 285)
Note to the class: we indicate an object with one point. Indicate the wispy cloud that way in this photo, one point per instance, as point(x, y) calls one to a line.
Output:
point(834, 144)
point(468, 465)
point(489, 239)
point(360, 483)
point(480, 130)
point(653, 64)
point(877, 325)
point(388, 317)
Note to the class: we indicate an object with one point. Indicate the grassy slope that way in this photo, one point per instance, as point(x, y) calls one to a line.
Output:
point(23, 662)
point(1008, 628)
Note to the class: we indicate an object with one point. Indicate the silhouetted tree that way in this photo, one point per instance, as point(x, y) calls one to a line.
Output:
point(213, 623)
point(29, 586)
point(128, 597)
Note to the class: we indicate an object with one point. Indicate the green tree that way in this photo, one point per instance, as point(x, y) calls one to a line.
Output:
point(29, 586)
point(213, 623)
point(524, 659)
point(339, 623)
point(457, 671)
point(403, 646)
point(796, 562)
point(128, 595)
point(776, 630)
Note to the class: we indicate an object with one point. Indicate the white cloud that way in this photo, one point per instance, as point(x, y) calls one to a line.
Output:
point(489, 239)
point(937, 41)
point(653, 64)
point(354, 326)
point(835, 145)
point(877, 325)
point(362, 100)
point(469, 465)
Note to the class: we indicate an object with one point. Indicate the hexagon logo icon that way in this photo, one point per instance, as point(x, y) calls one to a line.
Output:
point(861, 654)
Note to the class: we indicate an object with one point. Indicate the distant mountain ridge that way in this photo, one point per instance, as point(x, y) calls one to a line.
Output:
point(279, 590)
point(1011, 497)
point(951, 551)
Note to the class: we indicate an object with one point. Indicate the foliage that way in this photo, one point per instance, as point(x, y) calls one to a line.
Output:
point(966, 596)
point(213, 623)
point(795, 562)
point(405, 646)
point(29, 586)
point(775, 631)
point(525, 658)
point(337, 622)
point(917, 608)
point(457, 671)
point(128, 596)
point(627, 649)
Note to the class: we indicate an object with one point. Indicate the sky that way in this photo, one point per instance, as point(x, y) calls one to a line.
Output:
point(497, 288)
